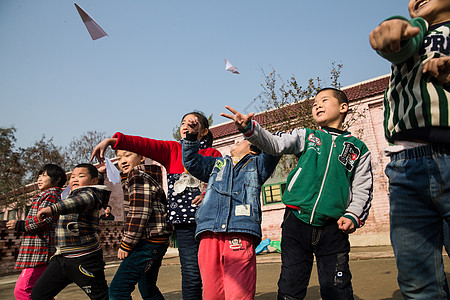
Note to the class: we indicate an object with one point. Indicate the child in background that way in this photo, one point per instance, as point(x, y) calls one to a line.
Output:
point(183, 194)
point(417, 124)
point(229, 217)
point(146, 233)
point(79, 255)
point(38, 236)
point(327, 196)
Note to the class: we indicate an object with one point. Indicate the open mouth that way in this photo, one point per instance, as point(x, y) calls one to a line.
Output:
point(420, 4)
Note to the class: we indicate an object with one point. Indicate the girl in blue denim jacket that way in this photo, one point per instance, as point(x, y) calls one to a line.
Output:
point(229, 218)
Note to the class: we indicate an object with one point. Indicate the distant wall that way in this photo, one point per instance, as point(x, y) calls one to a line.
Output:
point(110, 236)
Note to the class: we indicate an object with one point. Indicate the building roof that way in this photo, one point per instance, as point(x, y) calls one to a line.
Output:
point(354, 92)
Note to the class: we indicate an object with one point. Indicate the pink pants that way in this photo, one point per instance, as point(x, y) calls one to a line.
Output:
point(227, 264)
point(26, 281)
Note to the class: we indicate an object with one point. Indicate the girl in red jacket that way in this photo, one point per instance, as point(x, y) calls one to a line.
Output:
point(184, 193)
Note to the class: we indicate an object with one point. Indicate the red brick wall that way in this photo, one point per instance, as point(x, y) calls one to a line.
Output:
point(110, 235)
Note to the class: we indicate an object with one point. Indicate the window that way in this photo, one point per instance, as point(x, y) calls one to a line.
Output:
point(2, 216)
point(272, 192)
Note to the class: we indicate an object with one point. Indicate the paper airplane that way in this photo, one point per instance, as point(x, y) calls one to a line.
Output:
point(112, 172)
point(230, 67)
point(65, 193)
point(94, 29)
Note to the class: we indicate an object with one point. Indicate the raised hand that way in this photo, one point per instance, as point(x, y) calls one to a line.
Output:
point(193, 125)
point(239, 119)
point(99, 150)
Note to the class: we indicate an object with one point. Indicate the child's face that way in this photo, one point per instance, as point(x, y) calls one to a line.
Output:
point(184, 128)
point(433, 11)
point(327, 111)
point(44, 181)
point(240, 149)
point(81, 177)
point(128, 160)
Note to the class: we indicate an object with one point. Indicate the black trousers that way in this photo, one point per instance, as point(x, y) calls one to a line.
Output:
point(86, 271)
point(299, 243)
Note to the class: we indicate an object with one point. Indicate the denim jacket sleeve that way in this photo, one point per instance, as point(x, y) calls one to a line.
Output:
point(266, 165)
point(196, 164)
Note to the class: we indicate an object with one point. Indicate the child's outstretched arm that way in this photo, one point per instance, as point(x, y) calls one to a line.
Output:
point(439, 68)
point(99, 150)
point(274, 144)
point(388, 36)
point(34, 224)
point(80, 202)
point(397, 39)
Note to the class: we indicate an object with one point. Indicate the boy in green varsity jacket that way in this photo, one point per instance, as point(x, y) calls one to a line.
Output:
point(78, 256)
point(327, 197)
point(417, 124)
point(146, 232)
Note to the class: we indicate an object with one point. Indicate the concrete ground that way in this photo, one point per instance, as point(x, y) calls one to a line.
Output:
point(373, 269)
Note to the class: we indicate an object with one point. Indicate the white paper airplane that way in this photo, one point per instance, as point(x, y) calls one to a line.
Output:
point(230, 67)
point(65, 193)
point(112, 172)
point(93, 28)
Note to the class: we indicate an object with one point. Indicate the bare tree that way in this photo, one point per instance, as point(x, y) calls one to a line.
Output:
point(11, 169)
point(80, 148)
point(287, 105)
point(42, 152)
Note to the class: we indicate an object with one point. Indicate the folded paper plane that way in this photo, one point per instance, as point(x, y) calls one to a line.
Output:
point(230, 67)
point(111, 172)
point(65, 193)
point(93, 28)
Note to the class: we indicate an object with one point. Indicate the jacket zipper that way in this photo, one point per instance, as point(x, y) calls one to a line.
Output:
point(294, 178)
point(323, 180)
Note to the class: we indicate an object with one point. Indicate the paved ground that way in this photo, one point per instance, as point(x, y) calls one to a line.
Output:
point(373, 269)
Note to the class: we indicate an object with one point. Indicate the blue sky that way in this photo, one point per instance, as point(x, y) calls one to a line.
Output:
point(165, 58)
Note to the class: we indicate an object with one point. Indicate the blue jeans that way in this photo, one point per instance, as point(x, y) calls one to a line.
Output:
point(299, 243)
point(419, 188)
point(191, 280)
point(141, 266)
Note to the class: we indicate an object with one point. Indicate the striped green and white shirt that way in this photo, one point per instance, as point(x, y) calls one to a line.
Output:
point(416, 107)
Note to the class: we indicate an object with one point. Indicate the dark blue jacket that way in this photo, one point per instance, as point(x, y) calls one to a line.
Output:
point(232, 200)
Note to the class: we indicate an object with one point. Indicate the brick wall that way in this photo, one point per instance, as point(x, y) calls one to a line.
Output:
point(110, 235)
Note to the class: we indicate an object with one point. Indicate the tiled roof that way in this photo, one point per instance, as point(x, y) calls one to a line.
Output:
point(354, 92)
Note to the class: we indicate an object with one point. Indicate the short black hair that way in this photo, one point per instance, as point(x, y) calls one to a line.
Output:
point(92, 170)
point(339, 94)
point(56, 174)
point(108, 206)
